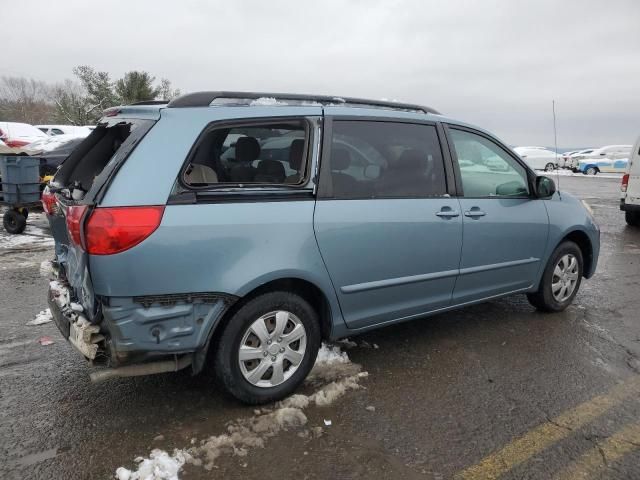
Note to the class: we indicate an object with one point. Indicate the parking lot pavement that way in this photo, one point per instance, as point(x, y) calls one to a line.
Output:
point(492, 391)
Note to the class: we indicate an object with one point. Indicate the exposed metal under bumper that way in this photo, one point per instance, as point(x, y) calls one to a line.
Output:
point(142, 369)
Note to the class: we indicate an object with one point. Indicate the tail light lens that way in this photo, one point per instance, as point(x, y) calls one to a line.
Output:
point(49, 203)
point(116, 229)
point(74, 222)
point(625, 182)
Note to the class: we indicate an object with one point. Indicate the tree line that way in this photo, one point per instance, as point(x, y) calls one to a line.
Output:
point(80, 101)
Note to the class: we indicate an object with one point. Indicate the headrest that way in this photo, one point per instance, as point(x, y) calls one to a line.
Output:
point(340, 159)
point(270, 171)
point(247, 149)
point(295, 153)
point(411, 160)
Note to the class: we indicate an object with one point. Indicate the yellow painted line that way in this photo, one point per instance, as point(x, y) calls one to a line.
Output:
point(541, 437)
point(613, 448)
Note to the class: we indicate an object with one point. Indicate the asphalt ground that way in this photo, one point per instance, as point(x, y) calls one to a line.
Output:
point(496, 390)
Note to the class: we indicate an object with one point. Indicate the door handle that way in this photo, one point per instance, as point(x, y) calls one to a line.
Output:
point(448, 213)
point(474, 213)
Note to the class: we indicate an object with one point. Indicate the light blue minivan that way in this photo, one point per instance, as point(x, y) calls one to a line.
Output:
point(235, 231)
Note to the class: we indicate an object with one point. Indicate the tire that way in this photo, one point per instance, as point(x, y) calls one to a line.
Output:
point(549, 167)
point(14, 222)
point(239, 331)
point(632, 218)
point(24, 212)
point(591, 171)
point(544, 299)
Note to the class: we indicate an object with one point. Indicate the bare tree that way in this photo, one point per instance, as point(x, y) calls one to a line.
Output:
point(72, 104)
point(165, 90)
point(25, 100)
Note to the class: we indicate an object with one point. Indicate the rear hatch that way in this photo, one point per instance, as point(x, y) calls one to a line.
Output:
point(78, 187)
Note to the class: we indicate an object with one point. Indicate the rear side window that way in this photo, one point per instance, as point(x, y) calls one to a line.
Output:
point(383, 160)
point(273, 152)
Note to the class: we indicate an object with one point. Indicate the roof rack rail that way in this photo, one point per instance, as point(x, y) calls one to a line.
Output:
point(205, 99)
point(149, 102)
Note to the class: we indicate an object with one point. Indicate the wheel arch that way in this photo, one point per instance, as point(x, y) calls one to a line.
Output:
point(583, 241)
point(308, 290)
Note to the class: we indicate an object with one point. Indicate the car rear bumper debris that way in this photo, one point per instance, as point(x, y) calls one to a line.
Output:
point(69, 318)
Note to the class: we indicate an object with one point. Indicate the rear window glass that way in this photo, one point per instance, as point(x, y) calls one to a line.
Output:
point(269, 153)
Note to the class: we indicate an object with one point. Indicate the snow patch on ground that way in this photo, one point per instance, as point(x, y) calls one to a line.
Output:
point(46, 269)
point(43, 317)
point(159, 466)
point(33, 236)
point(563, 172)
point(333, 374)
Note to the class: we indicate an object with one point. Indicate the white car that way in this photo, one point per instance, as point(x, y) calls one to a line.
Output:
point(15, 134)
point(630, 195)
point(538, 158)
point(53, 130)
point(609, 152)
point(572, 163)
point(563, 160)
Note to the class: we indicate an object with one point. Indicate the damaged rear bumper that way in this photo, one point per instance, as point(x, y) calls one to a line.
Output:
point(71, 322)
point(140, 331)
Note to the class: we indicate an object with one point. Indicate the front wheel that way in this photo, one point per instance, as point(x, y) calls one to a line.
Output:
point(268, 347)
point(561, 279)
point(549, 167)
point(591, 171)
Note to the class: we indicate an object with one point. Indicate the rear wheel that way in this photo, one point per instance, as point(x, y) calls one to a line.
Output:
point(632, 218)
point(268, 347)
point(561, 279)
point(549, 167)
point(14, 222)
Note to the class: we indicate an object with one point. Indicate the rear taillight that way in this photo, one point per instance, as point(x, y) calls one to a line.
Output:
point(49, 203)
point(625, 182)
point(75, 214)
point(16, 143)
point(116, 229)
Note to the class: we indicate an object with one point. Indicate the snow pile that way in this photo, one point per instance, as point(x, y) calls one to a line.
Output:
point(267, 102)
point(331, 365)
point(333, 373)
point(43, 317)
point(159, 466)
point(46, 269)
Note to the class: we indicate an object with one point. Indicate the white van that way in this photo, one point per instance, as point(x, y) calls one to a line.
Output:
point(630, 196)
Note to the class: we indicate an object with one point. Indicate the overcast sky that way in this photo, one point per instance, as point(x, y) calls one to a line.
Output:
point(497, 64)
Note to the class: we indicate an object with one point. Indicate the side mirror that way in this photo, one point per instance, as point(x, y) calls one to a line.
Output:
point(545, 187)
